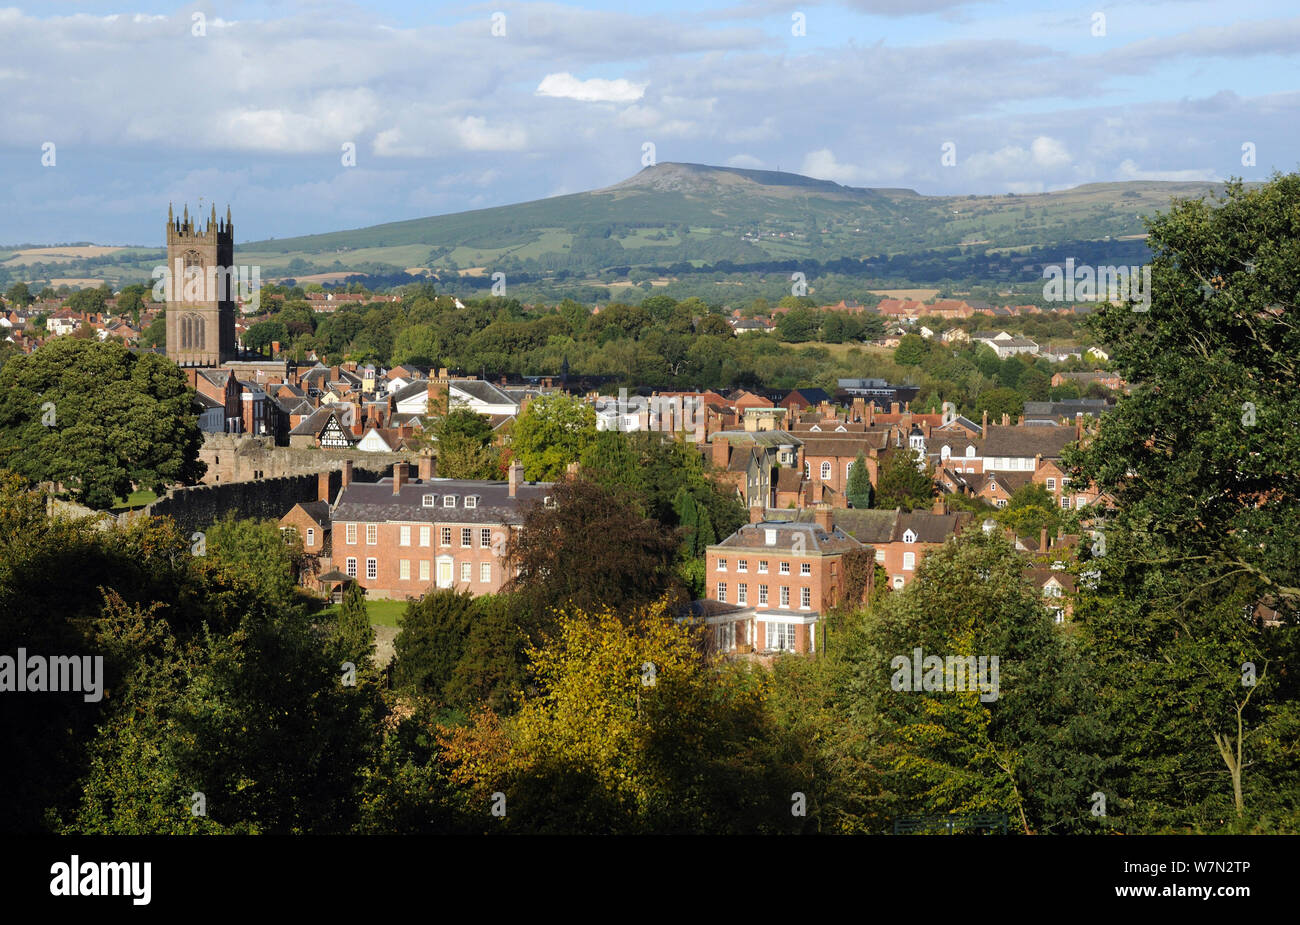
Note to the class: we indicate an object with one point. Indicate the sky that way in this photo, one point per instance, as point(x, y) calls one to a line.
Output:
point(311, 117)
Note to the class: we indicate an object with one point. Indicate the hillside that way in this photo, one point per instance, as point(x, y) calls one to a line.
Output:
point(672, 212)
point(673, 221)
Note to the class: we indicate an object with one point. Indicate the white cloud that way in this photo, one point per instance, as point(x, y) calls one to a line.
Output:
point(822, 166)
point(1048, 152)
point(475, 134)
point(1129, 170)
point(596, 90)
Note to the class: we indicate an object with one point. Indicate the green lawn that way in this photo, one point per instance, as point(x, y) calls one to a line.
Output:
point(382, 613)
point(136, 499)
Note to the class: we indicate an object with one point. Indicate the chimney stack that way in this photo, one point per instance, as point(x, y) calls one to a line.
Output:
point(985, 425)
point(822, 515)
point(399, 477)
point(515, 475)
point(756, 513)
point(940, 505)
point(323, 486)
point(721, 450)
point(1006, 419)
point(426, 466)
point(893, 408)
point(1042, 540)
point(347, 472)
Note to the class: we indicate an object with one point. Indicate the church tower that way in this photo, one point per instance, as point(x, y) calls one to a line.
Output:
point(201, 301)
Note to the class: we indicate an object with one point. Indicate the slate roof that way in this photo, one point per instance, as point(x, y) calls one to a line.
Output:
point(812, 396)
point(315, 423)
point(410, 390)
point(318, 511)
point(374, 502)
point(930, 527)
point(752, 537)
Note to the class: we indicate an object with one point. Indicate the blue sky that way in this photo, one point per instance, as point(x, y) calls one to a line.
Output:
point(446, 116)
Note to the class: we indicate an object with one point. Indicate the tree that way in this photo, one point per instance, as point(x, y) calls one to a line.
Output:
point(901, 484)
point(1201, 462)
point(998, 402)
point(130, 302)
point(92, 301)
point(465, 449)
point(431, 640)
point(858, 490)
point(565, 556)
point(1016, 735)
point(98, 419)
point(911, 350)
point(155, 335)
point(631, 730)
point(19, 295)
point(1030, 509)
point(353, 633)
point(551, 433)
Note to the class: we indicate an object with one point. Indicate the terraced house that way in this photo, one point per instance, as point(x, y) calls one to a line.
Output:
point(402, 536)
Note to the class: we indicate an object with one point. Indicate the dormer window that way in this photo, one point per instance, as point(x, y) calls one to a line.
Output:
point(471, 501)
point(909, 536)
point(769, 537)
point(429, 501)
point(548, 501)
point(448, 500)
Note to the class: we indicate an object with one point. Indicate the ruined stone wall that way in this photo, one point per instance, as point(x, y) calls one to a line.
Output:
point(234, 458)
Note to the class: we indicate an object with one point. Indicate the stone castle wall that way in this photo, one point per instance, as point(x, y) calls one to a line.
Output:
point(235, 458)
point(199, 506)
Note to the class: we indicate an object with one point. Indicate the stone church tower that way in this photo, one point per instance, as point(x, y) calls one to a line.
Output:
point(201, 303)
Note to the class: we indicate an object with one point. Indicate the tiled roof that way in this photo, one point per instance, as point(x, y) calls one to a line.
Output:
point(374, 502)
point(1027, 442)
point(319, 511)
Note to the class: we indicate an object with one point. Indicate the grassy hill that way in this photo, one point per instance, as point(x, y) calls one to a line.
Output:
point(673, 221)
point(672, 212)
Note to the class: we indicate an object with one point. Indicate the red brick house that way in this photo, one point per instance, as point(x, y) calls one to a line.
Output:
point(401, 537)
point(784, 576)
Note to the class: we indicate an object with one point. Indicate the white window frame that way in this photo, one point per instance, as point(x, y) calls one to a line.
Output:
point(404, 569)
point(466, 537)
point(805, 598)
point(429, 501)
point(805, 569)
point(404, 535)
point(909, 561)
point(350, 534)
point(825, 471)
point(721, 592)
point(350, 569)
point(425, 535)
point(372, 534)
point(372, 569)
point(485, 573)
point(448, 500)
